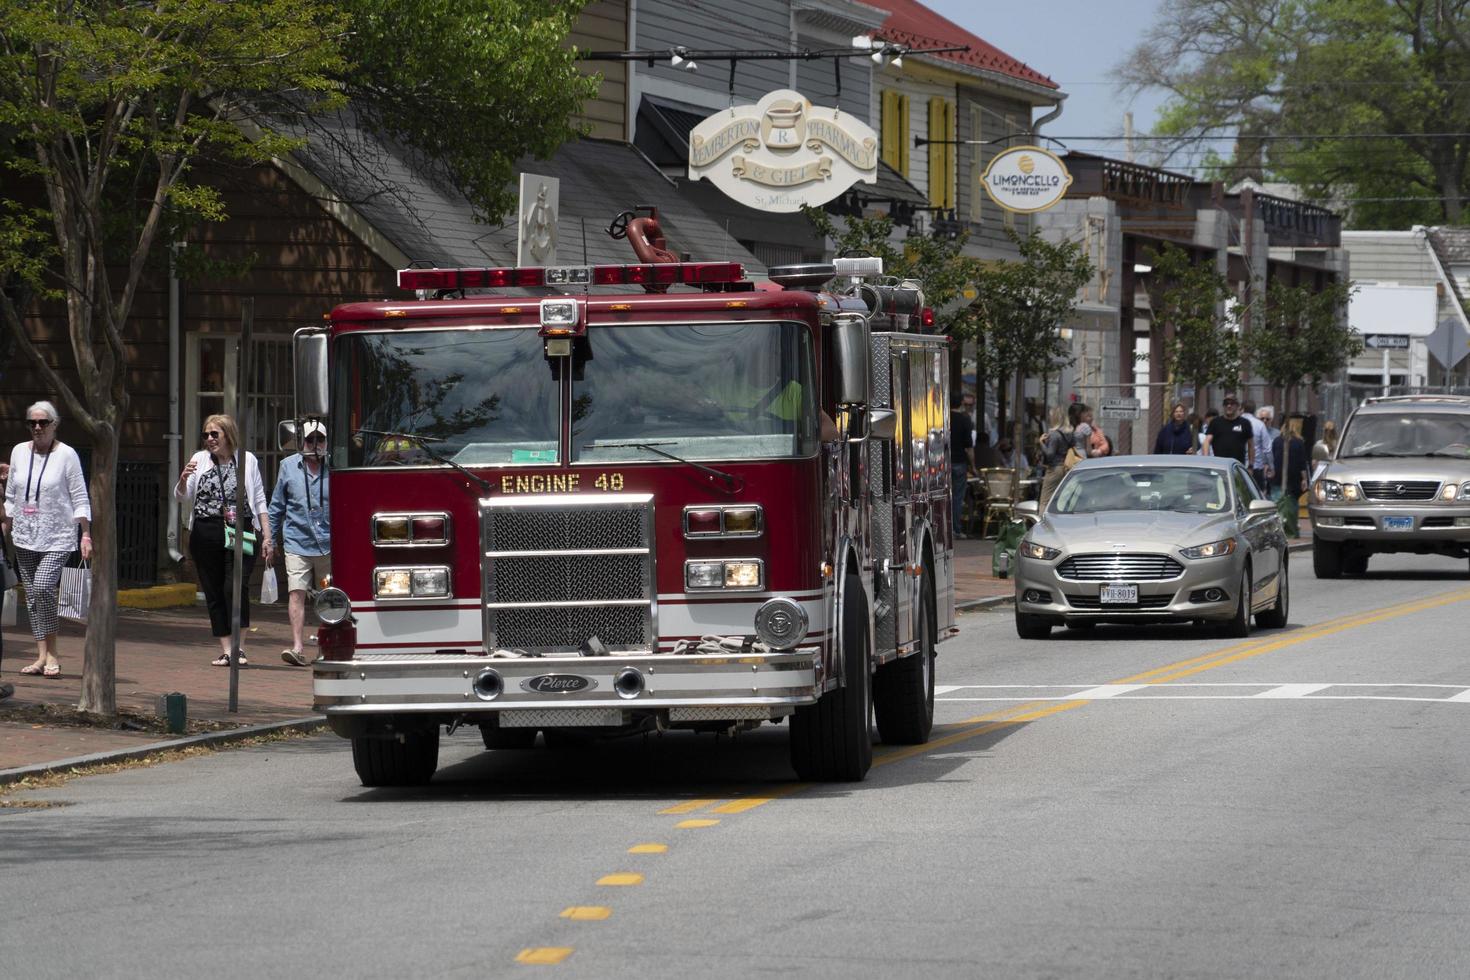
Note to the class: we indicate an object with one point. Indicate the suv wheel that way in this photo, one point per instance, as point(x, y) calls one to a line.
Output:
point(1356, 563)
point(1326, 558)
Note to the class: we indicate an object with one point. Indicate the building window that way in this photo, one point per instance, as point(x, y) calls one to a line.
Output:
point(894, 130)
point(941, 153)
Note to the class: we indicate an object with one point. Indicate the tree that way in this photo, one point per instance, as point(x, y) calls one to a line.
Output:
point(1305, 336)
point(1354, 99)
point(1021, 307)
point(1187, 299)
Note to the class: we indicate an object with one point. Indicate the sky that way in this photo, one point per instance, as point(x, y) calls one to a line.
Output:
point(1077, 43)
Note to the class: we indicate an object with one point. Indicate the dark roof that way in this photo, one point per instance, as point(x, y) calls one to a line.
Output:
point(431, 222)
point(1452, 244)
point(915, 25)
point(672, 122)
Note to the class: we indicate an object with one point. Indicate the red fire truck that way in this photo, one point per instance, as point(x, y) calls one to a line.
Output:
point(649, 496)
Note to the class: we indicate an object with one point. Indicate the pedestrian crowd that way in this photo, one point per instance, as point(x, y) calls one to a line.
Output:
point(47, 516)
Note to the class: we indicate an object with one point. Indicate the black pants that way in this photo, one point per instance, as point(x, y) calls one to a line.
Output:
point(216, 568)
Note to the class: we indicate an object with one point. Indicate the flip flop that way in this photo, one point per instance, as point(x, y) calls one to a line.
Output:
point(33, 670)
point(52, 670)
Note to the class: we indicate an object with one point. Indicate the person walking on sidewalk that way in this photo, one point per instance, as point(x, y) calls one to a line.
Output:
point(299, 514)
point(209, 480)
point(6, 690)
point(961, 461)
point(1175, 438)
point(45, 500)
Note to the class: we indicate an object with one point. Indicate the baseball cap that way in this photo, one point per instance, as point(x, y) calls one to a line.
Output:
point(314, 428)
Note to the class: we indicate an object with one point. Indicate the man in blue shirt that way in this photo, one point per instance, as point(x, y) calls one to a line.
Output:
point(298, 512)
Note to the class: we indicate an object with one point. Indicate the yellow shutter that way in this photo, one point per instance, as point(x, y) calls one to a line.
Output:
point(888, 127)
point(951, 157)
point(904, 140)
point(941, 153)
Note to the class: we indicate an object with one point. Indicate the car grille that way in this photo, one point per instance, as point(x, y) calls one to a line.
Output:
point(1119, 567)
point(558, 571)
point(1144, 602)
point(1400, 489)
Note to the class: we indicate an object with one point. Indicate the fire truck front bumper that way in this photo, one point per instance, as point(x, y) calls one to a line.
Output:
point(535, 692)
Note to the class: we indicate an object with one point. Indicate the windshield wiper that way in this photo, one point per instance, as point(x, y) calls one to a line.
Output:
point(423, 442)
point(1441, 452)
point(732, 482)
point(1372, 454)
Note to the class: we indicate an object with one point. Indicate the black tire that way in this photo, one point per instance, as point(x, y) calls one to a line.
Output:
point(1356, 563)
point(1326, 558)
point(1029, 627)
point(1080, 624)
point(496, 737)
point(562, 740)
point(1275, 617)
point(903, 690)
point(831, 740)
point(1239, 625)
point(390, 762)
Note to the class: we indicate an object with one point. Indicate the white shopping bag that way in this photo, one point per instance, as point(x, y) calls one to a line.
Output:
point(11, 613)
point(75, 598)
point(268, 593)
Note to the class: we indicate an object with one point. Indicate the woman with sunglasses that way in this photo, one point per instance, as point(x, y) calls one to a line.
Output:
point(45, 500)
point(209, 480)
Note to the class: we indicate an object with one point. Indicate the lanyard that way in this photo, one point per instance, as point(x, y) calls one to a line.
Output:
point(321, 493)
point(39, 480)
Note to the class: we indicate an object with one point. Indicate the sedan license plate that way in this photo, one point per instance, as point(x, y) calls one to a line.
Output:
point(1119, 595)
point(1398, 524)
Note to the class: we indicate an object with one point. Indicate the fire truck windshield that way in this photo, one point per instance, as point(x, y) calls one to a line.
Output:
point(718, 391)
point(484, 397)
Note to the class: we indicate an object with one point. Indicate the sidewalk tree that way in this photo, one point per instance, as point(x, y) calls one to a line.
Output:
point(1305, 336)
point(1020, 309)
point(1188, 299)
point(110, 112)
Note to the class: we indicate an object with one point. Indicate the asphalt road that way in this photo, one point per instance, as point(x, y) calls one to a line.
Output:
point(1129, 802)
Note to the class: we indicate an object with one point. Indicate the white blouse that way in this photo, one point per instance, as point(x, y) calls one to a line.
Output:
point(46, 497)
point(254, 488)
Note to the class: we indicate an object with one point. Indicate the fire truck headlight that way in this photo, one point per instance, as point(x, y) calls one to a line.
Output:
point(704, 574)
point(430, 582)
point(392, 583)
point(742, 574)
point(743, 521)
point(781, 624)
point(391, 530)
point(332, 606)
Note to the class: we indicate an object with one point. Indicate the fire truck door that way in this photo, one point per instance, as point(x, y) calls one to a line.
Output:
point(906, 487)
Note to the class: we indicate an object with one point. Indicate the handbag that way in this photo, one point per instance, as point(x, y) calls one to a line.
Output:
point(1072, 459)
point(248, 539)
point(269, 591)
point(75, 596)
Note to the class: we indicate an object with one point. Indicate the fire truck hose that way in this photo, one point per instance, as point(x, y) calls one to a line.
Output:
point(721, 645)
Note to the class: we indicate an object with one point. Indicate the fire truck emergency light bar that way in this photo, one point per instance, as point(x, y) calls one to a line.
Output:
point(666, 273)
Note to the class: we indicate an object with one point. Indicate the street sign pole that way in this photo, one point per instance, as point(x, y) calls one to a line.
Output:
point(1385, 370)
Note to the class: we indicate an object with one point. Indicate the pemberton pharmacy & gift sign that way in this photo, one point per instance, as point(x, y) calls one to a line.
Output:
point(1026, 179)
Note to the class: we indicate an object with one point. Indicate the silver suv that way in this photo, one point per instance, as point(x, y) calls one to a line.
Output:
point(1400, 482)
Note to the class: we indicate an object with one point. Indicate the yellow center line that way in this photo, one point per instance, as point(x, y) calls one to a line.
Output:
point(695, 824)
point(543, 955)
point(586, 913)
point(621, 878)
point(688, 806)
point(648, 849)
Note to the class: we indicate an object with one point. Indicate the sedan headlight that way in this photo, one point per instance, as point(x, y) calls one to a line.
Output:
point(1215, 549)
point(1330, 491)
point(1030, 549)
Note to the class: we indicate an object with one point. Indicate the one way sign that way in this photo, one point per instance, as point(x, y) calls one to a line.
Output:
point(1386, 341)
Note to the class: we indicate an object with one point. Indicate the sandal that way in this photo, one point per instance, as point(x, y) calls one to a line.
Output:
point(51, 670)
point(33, 670)
point(223, 660)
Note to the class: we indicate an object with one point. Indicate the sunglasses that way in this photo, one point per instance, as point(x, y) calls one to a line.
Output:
point(38, 423)
point(311, 439)
point(212, 435)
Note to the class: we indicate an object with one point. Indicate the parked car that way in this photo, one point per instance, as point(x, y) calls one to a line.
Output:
point(1153, 538)
point(1400, 481)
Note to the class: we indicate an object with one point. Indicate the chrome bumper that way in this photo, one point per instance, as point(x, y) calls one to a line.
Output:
point(1158, 598)
point(691, 687)
point(1361, 522)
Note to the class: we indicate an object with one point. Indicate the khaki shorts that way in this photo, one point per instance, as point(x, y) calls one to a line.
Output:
point(304, 573)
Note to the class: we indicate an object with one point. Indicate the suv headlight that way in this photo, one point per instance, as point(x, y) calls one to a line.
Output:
point(1030, 549)
point(1465, 491)
point(1330, 491)
point(1215, 549)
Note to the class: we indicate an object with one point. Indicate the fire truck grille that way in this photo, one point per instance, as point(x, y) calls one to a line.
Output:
point(563, 578)
point(559, 570)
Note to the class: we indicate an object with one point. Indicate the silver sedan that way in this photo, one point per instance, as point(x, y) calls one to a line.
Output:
point(1153, 538)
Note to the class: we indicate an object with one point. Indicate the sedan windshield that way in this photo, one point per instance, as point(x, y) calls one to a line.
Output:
point(1182, 489)
point(476, 396)
point(715, 391)
point(1408, 435)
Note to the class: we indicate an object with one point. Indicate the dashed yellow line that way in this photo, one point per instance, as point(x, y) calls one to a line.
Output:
point(621, 878)
point(695, 824)
point(586, 913)
point(648, 849)
point(743, 804)
point(688, 806)
point(543, 955)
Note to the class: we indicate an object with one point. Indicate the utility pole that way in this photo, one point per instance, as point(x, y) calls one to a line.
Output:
point(1128, 136)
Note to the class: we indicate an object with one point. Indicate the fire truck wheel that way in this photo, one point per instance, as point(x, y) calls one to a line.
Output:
point(903, 690)
point(389, 762)
point(831, 741)
point(1030, 627)
point(496, 737)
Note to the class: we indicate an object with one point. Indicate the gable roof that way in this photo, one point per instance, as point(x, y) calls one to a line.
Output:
point(911, 23)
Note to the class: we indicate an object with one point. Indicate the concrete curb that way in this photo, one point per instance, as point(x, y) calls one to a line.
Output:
point(1000, 600)
point(123, 755)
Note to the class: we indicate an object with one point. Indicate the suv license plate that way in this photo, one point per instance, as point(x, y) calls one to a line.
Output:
point(1119, 595)
point(1398, 524)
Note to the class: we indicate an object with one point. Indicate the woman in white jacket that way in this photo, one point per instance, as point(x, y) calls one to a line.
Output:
point(45, 500)
point(209, 481)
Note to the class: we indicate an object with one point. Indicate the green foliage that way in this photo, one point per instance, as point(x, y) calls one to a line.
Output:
point(1187, 298)
point(471, 85)
point(1343, 72)
point(1305, 336)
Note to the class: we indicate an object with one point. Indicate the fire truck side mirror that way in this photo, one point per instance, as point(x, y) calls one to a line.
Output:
point(310, 349)
point(882, 423)
point(286, 436)
point(850, 340)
